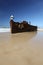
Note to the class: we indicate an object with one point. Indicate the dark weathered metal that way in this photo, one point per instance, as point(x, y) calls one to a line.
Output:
point(21, 27)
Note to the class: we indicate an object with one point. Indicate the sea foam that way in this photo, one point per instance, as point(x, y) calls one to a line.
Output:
point(4, 29)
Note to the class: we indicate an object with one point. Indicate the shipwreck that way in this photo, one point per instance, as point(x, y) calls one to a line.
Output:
point(17, 27)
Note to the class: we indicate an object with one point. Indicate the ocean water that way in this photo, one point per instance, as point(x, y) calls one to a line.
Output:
point(21, 48)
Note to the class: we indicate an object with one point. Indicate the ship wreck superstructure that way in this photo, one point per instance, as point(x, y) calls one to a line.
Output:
point(21, 27)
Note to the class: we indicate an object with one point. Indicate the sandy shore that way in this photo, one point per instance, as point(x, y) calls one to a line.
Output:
point(21, 48)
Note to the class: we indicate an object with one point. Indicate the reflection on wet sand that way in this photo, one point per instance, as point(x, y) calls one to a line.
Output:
point(22, 37)
point(21, 48)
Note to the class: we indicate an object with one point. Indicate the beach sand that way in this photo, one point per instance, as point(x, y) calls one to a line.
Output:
point(21, 48)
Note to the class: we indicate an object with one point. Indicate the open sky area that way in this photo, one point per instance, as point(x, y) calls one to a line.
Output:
point(29, 10)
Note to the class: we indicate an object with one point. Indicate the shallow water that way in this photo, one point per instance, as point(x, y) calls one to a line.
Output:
point(21, 48)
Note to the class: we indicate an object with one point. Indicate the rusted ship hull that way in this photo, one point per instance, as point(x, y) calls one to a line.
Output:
point(21, 27)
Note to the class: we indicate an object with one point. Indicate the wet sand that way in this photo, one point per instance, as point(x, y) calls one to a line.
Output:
point(21, 48)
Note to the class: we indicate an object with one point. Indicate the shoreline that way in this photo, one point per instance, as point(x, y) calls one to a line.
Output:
point(8, 29)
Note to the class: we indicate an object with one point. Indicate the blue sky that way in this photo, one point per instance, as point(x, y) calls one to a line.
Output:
point(29, 10)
